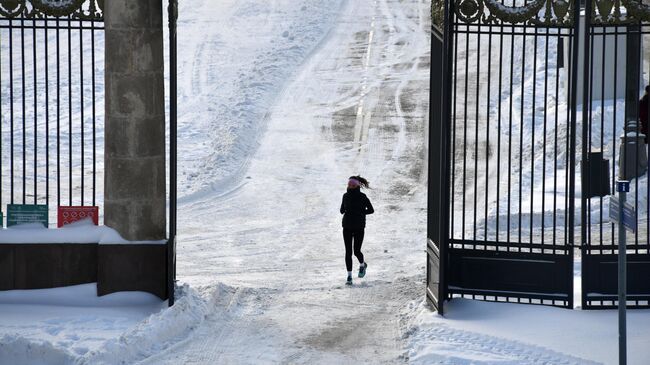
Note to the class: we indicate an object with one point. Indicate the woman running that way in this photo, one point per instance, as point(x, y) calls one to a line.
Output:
point(355, 207)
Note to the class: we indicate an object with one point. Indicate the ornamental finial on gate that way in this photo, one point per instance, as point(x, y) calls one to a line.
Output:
point(613, 12)
point(495, 12)
point(38, 9)
point(638, 12)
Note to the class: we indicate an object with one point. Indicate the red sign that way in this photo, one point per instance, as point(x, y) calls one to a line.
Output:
point(67, 215)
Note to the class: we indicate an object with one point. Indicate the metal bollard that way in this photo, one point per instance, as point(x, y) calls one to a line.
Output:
point(633, 161)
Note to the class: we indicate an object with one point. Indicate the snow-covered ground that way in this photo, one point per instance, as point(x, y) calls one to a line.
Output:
point(60, 326)
point(234, 59)
point(280, 101)
point(503, 333)
point(359, 105)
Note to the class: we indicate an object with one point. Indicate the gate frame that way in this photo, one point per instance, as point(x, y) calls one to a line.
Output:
point(155, 275)
point(172, 13)
point(439, 133)
point(445, 259)
point(600, 262)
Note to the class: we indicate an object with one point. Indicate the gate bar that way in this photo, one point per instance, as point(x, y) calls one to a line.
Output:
point(445, 131)
point(172, 12)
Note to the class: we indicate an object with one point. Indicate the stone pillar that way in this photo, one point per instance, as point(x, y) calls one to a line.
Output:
point(134, 195)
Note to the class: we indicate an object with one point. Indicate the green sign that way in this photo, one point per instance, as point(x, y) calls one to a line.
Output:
point(20, 214)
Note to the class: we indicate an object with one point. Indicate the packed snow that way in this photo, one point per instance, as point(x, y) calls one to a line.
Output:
point(279, 102)
point(61, 326)
point(504, 333)
point(83, 231)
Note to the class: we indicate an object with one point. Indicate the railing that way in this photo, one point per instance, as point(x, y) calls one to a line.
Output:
point(51, 104)
point(535, 98)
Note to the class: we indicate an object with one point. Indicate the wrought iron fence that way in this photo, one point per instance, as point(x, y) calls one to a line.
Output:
point(618, 68)
point(540, 101)
point(51, 102)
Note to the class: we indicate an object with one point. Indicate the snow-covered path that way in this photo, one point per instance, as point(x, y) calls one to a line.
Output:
point(280, 101)
point(359, 105)
point(234, 58)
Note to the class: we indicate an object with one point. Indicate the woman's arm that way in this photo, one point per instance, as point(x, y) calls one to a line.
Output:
point(342, 205)
point(369, 208)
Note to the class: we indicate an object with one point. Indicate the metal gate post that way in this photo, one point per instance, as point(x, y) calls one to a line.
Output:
point(586, 104)
point(585, 117)
point(622, 187)
point(171, 244)
point(446, 142)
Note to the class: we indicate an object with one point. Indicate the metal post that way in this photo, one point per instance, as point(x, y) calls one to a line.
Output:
point(445, 131)
point(632, 71)
point(586, 107)
point(622, 187)
point(171, 249)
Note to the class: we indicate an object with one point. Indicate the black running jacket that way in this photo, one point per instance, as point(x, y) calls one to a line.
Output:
point(354, 207)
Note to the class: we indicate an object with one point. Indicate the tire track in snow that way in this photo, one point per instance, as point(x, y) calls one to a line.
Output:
point(282, 230)
point(232, 80)
point(340, 334)
point(483, 349)
point(363, 120)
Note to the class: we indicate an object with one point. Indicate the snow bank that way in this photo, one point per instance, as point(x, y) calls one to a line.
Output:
point(474, 332)
point(155, 333)
point(53, 344)
point(161, 330)
point(62, 325)
point(79, 232)
point(18, 350)
point(77, 296)
point(229, 78)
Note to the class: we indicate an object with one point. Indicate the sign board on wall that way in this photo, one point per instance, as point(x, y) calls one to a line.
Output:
point(67, 215)
point(26, 213)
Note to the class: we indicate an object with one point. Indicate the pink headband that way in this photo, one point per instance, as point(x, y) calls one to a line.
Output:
point(354, 182)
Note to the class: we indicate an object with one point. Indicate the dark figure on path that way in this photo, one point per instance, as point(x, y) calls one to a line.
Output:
point(355, 207)
point(643, 112)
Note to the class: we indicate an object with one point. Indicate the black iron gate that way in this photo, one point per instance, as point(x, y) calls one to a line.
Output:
point(51, 102)
point(618, 68)
point(52, 107)
point(508, 80)
point(436, 243)
point(508, 139)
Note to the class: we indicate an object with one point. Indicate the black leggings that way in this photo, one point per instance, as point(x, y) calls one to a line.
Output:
point(348, 236)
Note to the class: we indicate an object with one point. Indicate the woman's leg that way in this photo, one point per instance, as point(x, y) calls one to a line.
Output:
point(358, 241)
point(347, 239)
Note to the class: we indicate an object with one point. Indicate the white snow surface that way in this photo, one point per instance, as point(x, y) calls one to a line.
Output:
point(234, 58)
point(83, 231)
point(475, 332)
point(64, 325)
point(279, 102)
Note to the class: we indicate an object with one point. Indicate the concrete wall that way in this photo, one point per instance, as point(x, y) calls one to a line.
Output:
point(114, 267)
point(132, 268)
point(39, 266)
point(134, 194)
